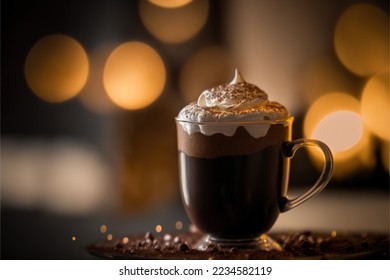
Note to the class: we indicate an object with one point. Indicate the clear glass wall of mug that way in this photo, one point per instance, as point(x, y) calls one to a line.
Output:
point(234, 185)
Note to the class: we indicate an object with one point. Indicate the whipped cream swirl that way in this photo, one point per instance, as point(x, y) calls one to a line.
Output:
point(237, 101)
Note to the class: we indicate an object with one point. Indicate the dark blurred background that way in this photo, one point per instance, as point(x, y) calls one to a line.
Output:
point(89, 91)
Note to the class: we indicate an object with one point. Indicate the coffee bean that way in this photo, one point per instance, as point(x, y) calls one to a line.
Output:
point(183, 247)
point(211, 248)
point(119, 245)
point(149, 236)
point(305, 244)
point(233, 250)
point(146, 243)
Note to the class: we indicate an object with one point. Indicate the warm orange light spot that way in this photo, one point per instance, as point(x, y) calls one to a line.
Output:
point(179, 225)
point(362, 39)
point(335, 119)
point(333, 233)
point(340, 130)
point(56, 68)
point(170, 3)
point(134, 75)
point(206, 68)
point(158, 228)
point(375, 102)
point(109, 237)
point(125, 240)
point(74, 238)
point(174, 25)
point(103, 228)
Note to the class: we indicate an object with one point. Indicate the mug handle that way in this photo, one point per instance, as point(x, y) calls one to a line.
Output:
point(288, 149)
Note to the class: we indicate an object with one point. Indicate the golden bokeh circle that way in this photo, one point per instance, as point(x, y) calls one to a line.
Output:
point(361, 39)
point(170, 3)
point(335, 119)
point(375, 105)
point(338, 123)
point(134, 75)
point(56, 68)
point(174, 25)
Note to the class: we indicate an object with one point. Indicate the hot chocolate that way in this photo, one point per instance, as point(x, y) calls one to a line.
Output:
point(234, 149)
point(234, 182)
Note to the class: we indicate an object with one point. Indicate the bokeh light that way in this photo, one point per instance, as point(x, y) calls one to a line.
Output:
point(361, 39)
point(56, 68)
point(103, 228)
point(170, 3)
point(158, 228)
point(134, 75)
point(375, 103)
point(337, 123)
point(206, 68)
point(63, 177)
point(179, 225)
point(335, 119)
point(174, 25)
point(93, 95)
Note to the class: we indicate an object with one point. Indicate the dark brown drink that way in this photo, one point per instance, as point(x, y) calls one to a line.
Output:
point(234, 152)
point(234, 183)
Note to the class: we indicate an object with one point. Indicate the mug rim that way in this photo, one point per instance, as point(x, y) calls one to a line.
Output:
point(288, 119)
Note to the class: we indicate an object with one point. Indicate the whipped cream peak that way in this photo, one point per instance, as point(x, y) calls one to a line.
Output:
point(236, 94)
point(237, 101)
point(237, 78)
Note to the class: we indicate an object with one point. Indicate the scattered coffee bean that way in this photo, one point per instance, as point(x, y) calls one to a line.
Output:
point(211, 248)
point(233, 250)
point(183, 247)
point(149, 236)
point(295, 245)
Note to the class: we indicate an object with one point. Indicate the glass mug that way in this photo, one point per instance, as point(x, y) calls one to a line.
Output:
point(234, 187)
